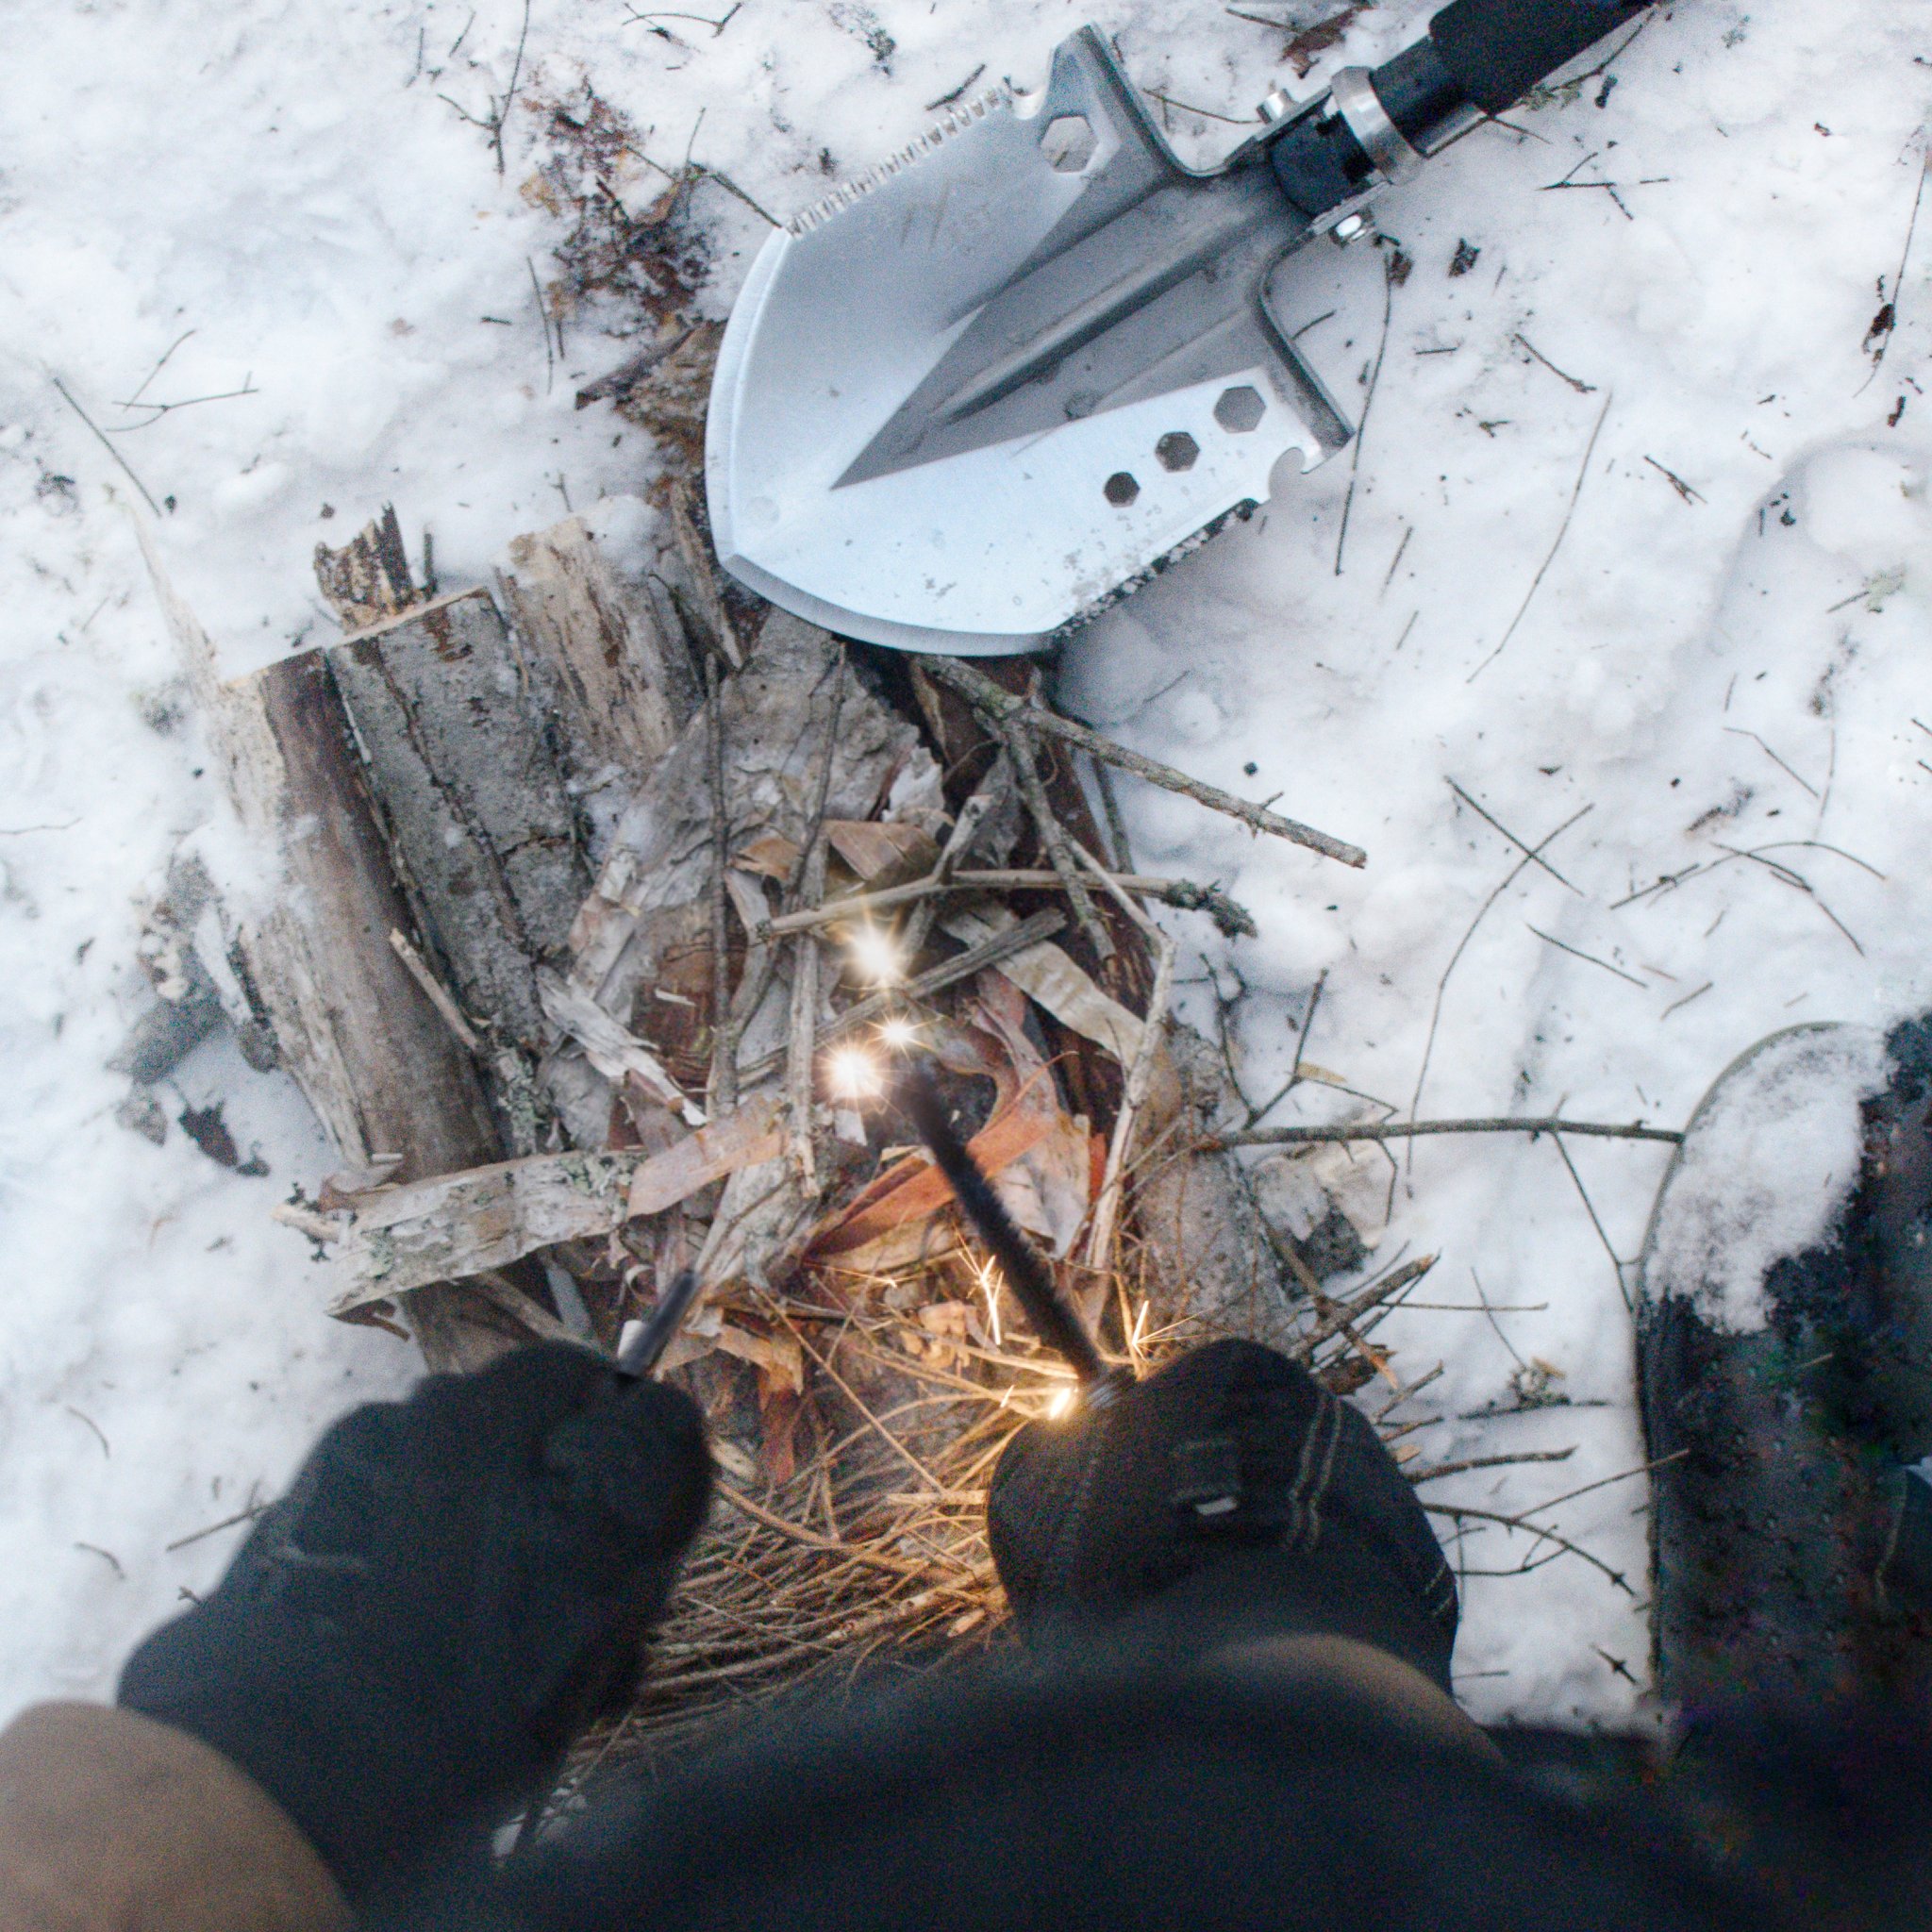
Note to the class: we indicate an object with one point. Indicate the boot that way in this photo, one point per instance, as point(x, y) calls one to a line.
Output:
point(1785, 1376)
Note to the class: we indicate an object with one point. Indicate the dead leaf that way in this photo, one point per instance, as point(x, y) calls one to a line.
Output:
point(768, 853)
point(883, 852)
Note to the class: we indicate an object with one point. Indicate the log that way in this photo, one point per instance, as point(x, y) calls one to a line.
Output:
point(369, 1051)
point(473, 799)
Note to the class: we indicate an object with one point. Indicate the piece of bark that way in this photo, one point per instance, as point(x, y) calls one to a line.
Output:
point(611, 1046)
point(473, 799)
point(778, 713)
point(462, 1224)
point(670, 397)
point(485, 1218)
point(368, 581)
point(623, 691)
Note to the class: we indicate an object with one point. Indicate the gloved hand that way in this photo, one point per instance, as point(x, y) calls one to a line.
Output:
point(1228, 1497)
point(453, 1587)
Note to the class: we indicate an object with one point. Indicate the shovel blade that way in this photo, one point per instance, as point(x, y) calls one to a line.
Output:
point(977, 398)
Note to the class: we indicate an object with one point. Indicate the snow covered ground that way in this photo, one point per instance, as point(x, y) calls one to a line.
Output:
point(1723, 655)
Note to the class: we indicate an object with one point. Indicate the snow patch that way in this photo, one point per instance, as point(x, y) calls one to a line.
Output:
point(1767, 1170)
point(1867, 505)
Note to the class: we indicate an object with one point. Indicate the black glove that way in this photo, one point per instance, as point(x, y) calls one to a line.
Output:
point(453, 1587)
point(1228, 1497)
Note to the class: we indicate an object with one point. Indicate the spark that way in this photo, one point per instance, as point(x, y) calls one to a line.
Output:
point(1060, 1402)
point(876, 954)
point(990, 1285)
point(898, 1033)
point(854, 1073)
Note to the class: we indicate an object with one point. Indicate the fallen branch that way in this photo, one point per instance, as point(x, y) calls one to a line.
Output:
point(1406, 1130)
point(980, 691)
point(459, 1225)
point(1542, 1534)
point(1183, 895)
point(1436, 1470)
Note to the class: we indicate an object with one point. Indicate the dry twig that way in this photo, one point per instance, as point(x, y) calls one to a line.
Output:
point(987, 696)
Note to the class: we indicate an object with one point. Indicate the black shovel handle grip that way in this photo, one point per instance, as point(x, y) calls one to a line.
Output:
point(1497, 50)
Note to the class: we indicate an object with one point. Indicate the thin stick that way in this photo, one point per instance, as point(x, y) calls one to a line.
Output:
point(1340, 1315)
point(1737, 731)
point(1139, 1077)
point(1415, 1130)
point(502, 114)
point(101, 439)
point(807, 883)
point(1582, 388)
point(1462, 946)
point(1687, 999)
point(1578, 952)
point(543, 323)
point(1590, 1209)
point(1676, 481)
point(1438, 1470)
point(1488, 818)
point(966, 827)
point(988, 696)
point(1258, 1114)
point(1569, 517)
point(1182, 893)
point(434, 991)
point(1053, 838)
point(195, 1536)
point(857, 1552)
point(1116, 824)
point(723, 1065)
point(805, 1020)
point(1401, 551)
point(1362, 427)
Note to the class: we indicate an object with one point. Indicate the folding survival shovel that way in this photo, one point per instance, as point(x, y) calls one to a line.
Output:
point(985, 390)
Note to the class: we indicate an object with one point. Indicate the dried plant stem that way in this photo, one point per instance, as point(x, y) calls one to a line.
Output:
point(812, 1540)
point(1563, 530)
point(1342, 1315)
point(987, 696)
point(1405, 1130)
point(805, 1024)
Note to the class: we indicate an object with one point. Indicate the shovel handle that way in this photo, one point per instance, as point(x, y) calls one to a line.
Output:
point(1496, 50)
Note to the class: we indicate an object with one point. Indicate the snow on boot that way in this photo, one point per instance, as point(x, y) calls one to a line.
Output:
point(1785, 1375)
